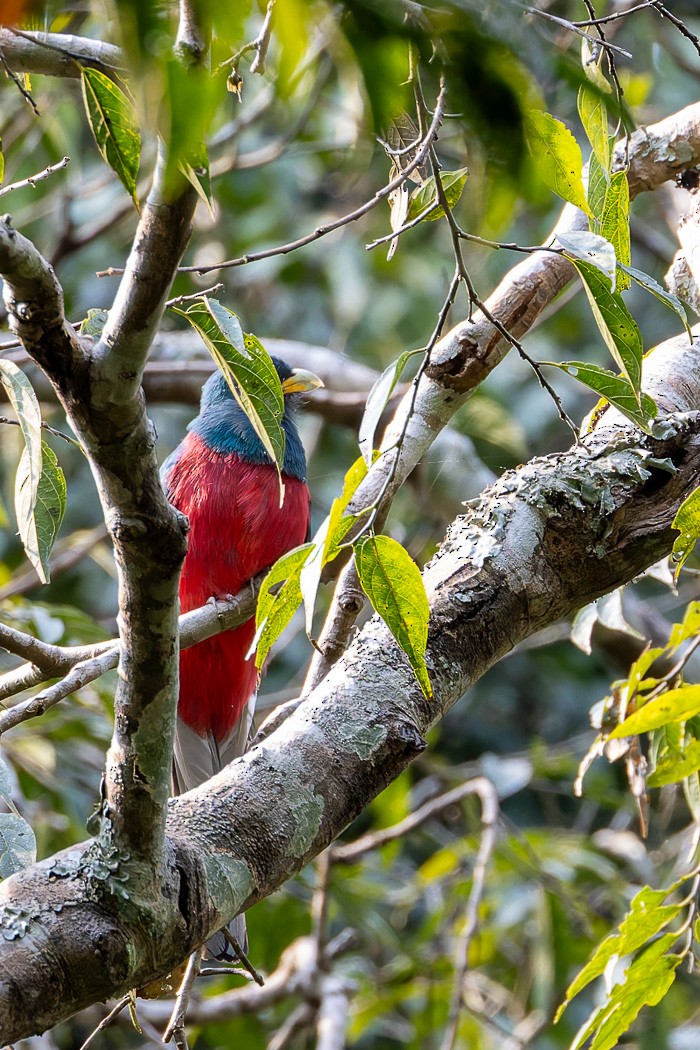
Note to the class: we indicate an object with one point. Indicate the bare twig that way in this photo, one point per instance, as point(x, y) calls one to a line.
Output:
point(106, 1021)
point(489, 817)
point(18, 84)
point(33, 179)
point(179, 1014)
point(329, 227)
point(240, 952)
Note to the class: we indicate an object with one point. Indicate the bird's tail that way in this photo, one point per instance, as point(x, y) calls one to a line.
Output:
point(195, 759)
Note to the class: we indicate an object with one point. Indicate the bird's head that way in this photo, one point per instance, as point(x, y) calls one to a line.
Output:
point(224, 426)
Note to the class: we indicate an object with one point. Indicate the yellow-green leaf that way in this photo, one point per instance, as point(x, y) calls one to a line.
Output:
point(393, 583)
point(615, 223)
point(39, 520)
point(557, 156)
point(615, 389)
point(687, 522)
point(675, 705)
point(279, 599)
point(113, 126)
point(615, 323)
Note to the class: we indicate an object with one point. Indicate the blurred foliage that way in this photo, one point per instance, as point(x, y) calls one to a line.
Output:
point(297, 150)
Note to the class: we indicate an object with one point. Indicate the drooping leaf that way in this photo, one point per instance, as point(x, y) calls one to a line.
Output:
point(646, 982)
point(38, 521)
point(26, 406)
point(687, 521)
point(196, 171)
point(452, 183)
point(279, 599)
point(646, 917)
point(393, 583)
point(615, 323)
point(247, 368)
point(17, 844)
point(691, 790)
point(591, 248)
point(113, 126)
point(329, 536)
point(593, 112)
point(675, 705)
point(377, 401)
point(6, 785)
point(661, 293)
point(614, 389)
point(615, 224)
point(2, 163)
point(591, 63)
point(687, 628)
point(557, 155)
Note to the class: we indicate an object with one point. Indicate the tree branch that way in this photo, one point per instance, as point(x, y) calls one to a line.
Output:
point(544, 540)
point(58, 54)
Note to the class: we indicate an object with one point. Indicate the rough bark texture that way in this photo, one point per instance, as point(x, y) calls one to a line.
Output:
point(541, 542)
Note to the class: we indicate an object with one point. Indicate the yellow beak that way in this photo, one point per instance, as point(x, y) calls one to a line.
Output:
point(301, 380)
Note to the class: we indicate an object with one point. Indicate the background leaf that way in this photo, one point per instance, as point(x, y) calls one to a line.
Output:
point(452, 182)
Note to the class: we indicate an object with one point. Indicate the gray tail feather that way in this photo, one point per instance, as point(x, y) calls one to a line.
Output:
point(196, 759)
point(219, 947)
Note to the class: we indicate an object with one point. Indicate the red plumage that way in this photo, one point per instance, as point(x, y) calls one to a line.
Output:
point(237, 529)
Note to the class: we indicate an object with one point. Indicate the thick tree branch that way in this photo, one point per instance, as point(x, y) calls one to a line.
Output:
point(544, 540)
point(58, 54)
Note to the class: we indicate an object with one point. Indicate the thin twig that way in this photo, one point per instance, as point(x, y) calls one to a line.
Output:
point(33, 179)
point(44, 426)
point(18, 84)
point(106, 1021)
point(179, 1014)
point(680, 26)
point(255, 974)
point(489, 818)
point(572, 26)
point(329, 227)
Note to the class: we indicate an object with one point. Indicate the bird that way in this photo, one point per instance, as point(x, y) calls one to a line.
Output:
point(222, 478)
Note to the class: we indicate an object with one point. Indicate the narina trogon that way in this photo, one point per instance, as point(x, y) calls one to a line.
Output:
point(222, 478)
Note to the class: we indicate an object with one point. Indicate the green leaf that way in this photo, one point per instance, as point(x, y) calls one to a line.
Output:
point(17, 844)
point(675, 705)
point(2, 163)
point(664, 296)
point(687, 522)
point(247, 368)
point(646, 917)
point(113, 126)
point(196, 171)
point(613, 388)
point(646, 982)
point(558, 158)
point(615, 322)
point(329, 537)
point(687, 628)
point(593, 112)
point(6, 785)
point(452, 183)
point(279, 599)
point(615, 223)
point(393, 583)
point(26, 407)
point(591, 248)
point(691, 790)
point(591, 63)
point(39, 520)
point(94, 323)
point(377, 401)
point(598, 182)
point(673, 766)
